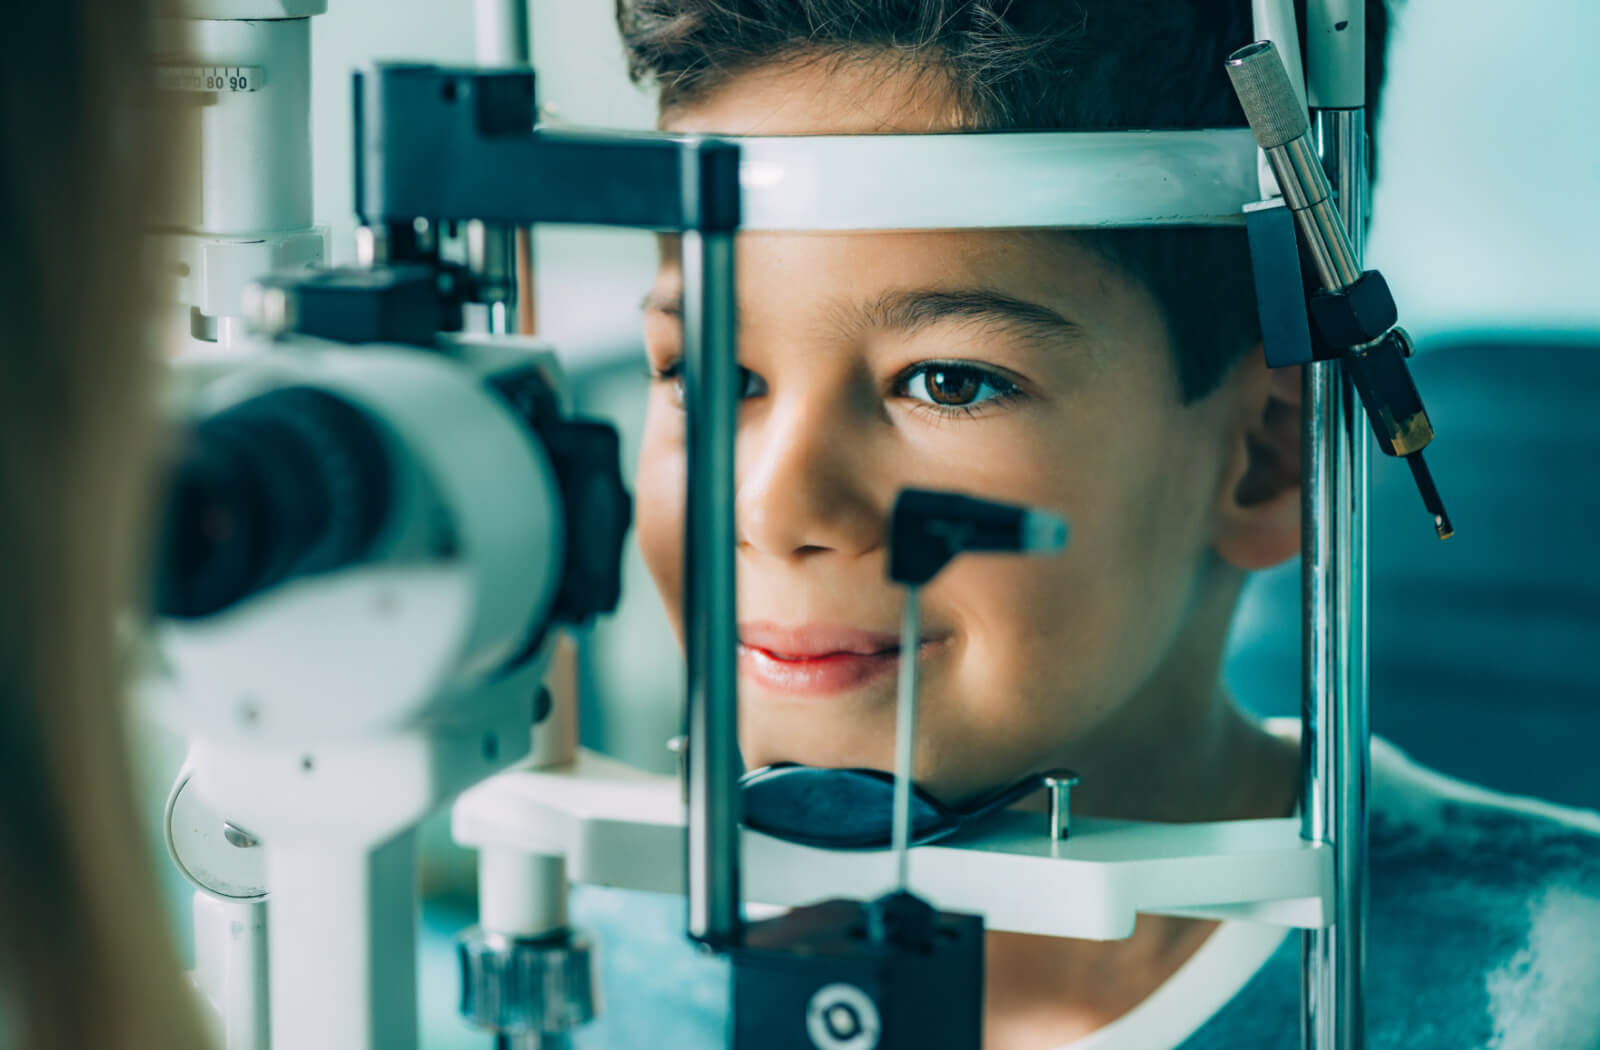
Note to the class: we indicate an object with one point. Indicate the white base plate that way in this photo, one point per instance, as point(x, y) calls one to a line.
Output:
point(620, 827)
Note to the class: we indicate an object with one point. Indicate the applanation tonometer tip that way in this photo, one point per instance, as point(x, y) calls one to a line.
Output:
point(926, 531)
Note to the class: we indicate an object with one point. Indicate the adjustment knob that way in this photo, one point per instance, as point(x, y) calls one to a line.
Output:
point(518, 986)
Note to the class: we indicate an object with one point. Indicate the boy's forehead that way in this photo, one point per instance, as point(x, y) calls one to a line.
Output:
point(1043, 288)
point(1051, 267)
point(859, 94)
point(862, 95)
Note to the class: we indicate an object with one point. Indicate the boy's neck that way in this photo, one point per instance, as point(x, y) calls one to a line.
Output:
point(1180, 749)
point(1203, 763)
point(1043, 992)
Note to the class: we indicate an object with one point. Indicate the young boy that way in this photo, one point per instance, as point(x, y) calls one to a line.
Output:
point(1115, 378)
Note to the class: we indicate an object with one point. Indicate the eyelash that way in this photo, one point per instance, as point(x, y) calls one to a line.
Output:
point(1006, 392)
point(674, 372)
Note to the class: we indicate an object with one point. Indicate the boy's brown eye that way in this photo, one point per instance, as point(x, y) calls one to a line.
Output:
point(953, 386)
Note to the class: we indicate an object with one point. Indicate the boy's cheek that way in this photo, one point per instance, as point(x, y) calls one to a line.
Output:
point(1055, 644)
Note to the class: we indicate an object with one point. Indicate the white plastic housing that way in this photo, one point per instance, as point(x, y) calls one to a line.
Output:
point(521, 894)
point(411, 634)
point(253, 171)
point(343, 936)
point(1336, 54)
point(212, 273)
point(237, 9)
point(230, 970)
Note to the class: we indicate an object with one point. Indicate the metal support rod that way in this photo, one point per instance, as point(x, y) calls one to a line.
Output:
point(711, 391)
point(1336, 739)
point(534, 1041)
point(502, 37)
point(501, 33)
point(905, 736)
point(502, 318)
point(492, 261)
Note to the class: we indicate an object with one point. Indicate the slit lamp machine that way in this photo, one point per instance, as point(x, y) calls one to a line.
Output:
point(376, 447)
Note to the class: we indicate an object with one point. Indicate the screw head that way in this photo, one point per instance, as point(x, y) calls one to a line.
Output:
point(238, 837)
point(1060, 783)
point(679, 746)
point(1059, 778)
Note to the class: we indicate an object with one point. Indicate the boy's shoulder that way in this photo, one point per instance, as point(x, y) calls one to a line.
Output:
point(1482, 920)
point(1434, 829)
point(1421, 818)
point(1485, 909)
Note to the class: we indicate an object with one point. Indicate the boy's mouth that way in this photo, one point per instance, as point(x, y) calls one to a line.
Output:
point(818, 660)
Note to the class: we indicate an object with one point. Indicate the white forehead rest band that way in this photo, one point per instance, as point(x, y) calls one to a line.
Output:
point(998, 180)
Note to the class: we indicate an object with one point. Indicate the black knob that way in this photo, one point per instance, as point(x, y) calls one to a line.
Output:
point(588, 462)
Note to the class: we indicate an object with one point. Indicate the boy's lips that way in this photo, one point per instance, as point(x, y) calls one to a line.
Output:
point(817, 660)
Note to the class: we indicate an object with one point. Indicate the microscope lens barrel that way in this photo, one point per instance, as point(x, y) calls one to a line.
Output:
point(290, 483)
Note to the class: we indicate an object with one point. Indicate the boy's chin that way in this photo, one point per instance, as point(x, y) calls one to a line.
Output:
point(761, 749)
point(759, 757)
point(949, 786)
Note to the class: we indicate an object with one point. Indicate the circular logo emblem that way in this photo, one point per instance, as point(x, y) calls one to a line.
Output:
point(842, 1017)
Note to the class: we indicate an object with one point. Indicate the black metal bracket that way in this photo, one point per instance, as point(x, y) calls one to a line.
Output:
point(1302, 322)
point(449, 144)
point(1280, 284)
point(1359, 315)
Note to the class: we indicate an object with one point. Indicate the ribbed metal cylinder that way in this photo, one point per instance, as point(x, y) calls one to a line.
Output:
point(524, 987)
point(1269, 101)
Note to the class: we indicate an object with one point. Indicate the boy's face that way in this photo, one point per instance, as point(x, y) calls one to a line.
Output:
point(1017, 366)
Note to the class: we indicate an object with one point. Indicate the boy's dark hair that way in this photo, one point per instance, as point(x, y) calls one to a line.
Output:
point(1077, 65)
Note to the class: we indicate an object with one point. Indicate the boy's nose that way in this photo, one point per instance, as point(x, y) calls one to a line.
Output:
point(804, 487)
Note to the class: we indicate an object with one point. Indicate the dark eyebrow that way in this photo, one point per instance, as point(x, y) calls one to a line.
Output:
point(919, 308)
point(910, 311)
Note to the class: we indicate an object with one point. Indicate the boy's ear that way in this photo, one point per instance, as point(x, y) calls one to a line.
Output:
point(1259, 520)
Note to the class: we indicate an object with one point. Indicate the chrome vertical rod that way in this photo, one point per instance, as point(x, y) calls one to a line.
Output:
point(905, 736)
point(1336, 742)
point(711, 393)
